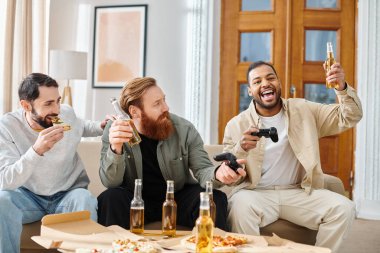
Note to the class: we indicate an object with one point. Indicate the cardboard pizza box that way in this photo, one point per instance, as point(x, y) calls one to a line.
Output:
point(255, 244)
point(69, 231)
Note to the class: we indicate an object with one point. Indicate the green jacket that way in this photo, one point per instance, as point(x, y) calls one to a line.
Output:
point(181, 152)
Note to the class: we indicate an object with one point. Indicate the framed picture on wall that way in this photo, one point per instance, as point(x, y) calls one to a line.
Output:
point(119, 44)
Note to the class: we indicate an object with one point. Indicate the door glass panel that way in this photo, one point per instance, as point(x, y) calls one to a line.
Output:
point(321, 4)
point(316, 44)
point(318, 93)
point(244, 98)
point(256, 5)
point(255, 46)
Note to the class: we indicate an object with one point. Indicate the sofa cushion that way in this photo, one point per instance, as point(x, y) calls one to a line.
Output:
point(89, 151)
point(290, 231)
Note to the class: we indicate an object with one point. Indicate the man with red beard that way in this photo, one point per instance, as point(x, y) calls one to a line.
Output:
point(170, 148)
point(285, 178)
point(40, 171)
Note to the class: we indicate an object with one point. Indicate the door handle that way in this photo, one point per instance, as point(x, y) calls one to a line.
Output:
point(293, 91)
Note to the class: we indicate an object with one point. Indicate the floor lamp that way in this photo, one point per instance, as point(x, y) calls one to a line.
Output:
point(67, 65)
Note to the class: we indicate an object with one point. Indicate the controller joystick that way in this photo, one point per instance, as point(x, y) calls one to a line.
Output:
point(232, 163)
point(267, 133)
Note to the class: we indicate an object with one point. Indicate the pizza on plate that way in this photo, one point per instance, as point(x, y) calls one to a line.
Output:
point(123, 246)
point(226, 243)
point(127, 246)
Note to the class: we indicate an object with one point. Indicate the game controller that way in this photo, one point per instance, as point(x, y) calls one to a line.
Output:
point(232, 163)
point(267, 133)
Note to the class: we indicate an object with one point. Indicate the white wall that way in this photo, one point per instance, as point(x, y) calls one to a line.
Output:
point(165, 55)
point(367, 162)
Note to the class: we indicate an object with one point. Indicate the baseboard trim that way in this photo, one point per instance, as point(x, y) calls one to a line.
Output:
point(368, 209)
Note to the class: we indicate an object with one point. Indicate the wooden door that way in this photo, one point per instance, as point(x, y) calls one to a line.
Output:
point(298, 32)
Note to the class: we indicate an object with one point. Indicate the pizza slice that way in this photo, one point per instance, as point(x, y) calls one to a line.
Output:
point(225, 244)
point(57, 121)
point(133, 246)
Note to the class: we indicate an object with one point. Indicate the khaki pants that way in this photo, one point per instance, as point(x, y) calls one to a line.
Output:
point(328, 212)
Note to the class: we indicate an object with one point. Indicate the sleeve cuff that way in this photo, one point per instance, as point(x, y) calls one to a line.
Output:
point(342, 92)
point(114, 157)
point(240, 152)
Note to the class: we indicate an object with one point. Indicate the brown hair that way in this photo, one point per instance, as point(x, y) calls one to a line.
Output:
point(133, 91)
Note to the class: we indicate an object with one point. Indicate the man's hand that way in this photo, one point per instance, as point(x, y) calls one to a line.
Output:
point(247, 141)
point(47, 139)
point(336, 75)
point(104, 122)
point(227, 175)
point(120, 132)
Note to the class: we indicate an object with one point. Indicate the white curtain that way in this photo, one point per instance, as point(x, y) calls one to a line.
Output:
point(367, 161)
point(24, 47)
point(202, 67)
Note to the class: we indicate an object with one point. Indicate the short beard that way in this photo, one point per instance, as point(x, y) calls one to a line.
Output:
point(159, 129)
point(42, 121)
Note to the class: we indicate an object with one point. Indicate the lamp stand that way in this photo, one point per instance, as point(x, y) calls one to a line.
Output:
point(67, 93)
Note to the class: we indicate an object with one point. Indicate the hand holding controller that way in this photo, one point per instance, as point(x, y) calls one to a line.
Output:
point(267, 133)
point(232, 163)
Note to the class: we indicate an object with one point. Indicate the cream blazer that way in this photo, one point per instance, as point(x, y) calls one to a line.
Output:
point(306, 122)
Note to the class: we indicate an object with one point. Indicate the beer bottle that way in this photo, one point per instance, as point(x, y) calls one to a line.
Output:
point(136, 220)
point(135, 139)
point(212, 203)
point(329, 62)
point(204, 226)
point(169, 211)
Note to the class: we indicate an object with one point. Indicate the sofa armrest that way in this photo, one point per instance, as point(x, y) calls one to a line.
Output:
point(334, 184)
point(212, 150)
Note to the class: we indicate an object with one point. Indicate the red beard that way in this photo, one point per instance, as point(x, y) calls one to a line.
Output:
point(159, 129)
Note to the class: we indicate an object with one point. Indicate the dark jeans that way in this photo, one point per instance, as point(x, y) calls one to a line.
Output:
point(114, 205)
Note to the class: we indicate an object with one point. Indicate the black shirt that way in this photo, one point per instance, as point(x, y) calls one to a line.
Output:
point(154, 184)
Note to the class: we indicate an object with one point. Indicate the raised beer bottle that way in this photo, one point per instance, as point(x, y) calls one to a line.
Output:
point(204, 226)
point(329, 62)
point(212, 203)
point(136, 221)
point(169, 211)
point(135, 139)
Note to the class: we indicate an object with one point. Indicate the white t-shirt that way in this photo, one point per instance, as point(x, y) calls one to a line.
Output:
point(280, 165)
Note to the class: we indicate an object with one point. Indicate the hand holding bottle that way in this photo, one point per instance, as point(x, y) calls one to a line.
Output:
point(334, 72)
point(336, 75)
point(122, 130)
point(119, 133)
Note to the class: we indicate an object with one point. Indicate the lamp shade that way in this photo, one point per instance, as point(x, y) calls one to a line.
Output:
point(66, 65)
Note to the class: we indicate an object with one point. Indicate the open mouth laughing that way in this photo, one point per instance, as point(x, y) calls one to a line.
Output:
point(268, 95)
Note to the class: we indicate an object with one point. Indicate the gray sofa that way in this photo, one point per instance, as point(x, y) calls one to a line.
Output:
point(89, 150)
